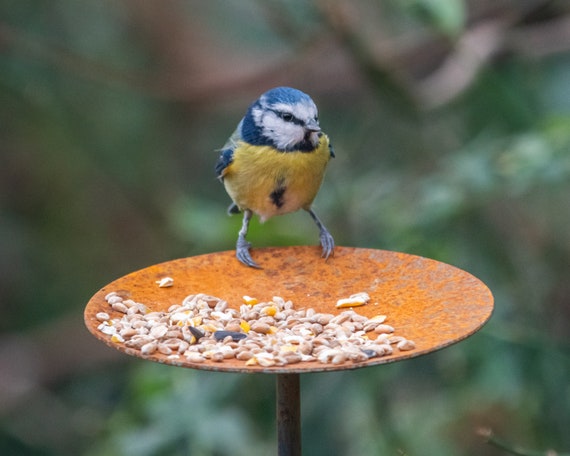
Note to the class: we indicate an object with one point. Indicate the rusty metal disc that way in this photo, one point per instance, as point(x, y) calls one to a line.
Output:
point(432, 303)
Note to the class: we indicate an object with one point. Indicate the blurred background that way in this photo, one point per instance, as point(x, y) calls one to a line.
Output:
point(451, 125)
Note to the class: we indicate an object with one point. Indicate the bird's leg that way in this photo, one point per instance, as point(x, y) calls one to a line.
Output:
point(233, 209)
point(242, 246)
point(327, 241)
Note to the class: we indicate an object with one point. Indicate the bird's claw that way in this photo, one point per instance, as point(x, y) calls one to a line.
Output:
point(327, 242)
point(243, 255)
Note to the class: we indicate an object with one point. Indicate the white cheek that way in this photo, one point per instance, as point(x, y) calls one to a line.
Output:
point(283, 134)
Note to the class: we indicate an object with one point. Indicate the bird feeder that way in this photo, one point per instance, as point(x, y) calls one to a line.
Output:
point(428, 302)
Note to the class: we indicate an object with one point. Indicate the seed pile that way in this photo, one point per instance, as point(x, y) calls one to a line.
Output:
point(267, 334)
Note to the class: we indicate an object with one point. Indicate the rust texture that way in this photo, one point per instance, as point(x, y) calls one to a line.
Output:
point(288, 408)
point(432, 303)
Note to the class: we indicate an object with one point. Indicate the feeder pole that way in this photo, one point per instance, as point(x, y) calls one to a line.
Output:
point(288, 415)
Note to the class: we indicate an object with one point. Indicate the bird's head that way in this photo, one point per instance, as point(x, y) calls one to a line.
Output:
point(284, 118)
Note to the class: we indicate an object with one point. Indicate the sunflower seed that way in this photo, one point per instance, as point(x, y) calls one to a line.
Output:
point(165, 282)
point(261, 333)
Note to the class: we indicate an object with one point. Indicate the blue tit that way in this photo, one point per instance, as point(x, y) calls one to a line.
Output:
point(274, 163)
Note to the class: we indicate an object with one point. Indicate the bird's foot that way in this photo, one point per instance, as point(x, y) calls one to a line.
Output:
point(327, 242)
point(243, 255)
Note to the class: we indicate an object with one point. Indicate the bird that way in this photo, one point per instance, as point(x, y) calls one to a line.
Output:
point(274, 163)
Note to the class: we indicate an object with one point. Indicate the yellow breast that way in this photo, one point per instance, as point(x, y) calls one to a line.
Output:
point(270, 182)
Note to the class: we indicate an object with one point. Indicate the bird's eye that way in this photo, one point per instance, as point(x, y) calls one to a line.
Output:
point(287, 117)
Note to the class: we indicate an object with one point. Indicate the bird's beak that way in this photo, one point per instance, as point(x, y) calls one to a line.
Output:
point(312, 125)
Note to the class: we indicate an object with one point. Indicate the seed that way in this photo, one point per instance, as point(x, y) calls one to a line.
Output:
point(173, 334)
point(355, 300)
point(194, 357)
point(119, 307)
point(221, 306)
point(158, 331)
point(211, 300)
point(251, 315)
point(381, 349)
point(323, 319)
point(371, 324)
point(293, 339)
point(183, 346)
point(265, 334)
point(149, 348)
point(332, 355)
point(233, 325)
point(137, 341)
point(164, 349)
point(395, 339)
point(165, 282)
point(217, 356)
point(196, 332)
point(291, 357)
point(220, 316)
point(117, 338)
point(102, 316)
point(244, 355)
point(306, 348)
point(114, 299)
point(356, 356)
point(384, 329)
point(405, 345)
point(270, 311)
point(227, 351)
point(110, 295)
point(259, 327)
point(235, 336)
point(265, 359)
point(245, 326)
point(340, 318)
point(136, 324)
point(128, 332)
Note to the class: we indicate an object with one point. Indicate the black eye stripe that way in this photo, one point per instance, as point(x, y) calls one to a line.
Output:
point(287, 117)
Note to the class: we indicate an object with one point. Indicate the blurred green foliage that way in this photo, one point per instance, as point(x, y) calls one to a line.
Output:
point(110, 115)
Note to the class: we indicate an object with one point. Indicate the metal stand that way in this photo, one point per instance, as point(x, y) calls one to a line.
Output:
point(288, 415)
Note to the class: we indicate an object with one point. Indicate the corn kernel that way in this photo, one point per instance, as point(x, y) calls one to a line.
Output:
point(244, 325)
point(272, 330)
point(269, 311)
point(249, 300)
point(251, 361)
point(117, 338)
point(209, 328)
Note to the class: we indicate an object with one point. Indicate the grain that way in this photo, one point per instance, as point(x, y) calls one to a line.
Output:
point(355, 300)
point(102, 316)
point(165, 282)
point(205, 328)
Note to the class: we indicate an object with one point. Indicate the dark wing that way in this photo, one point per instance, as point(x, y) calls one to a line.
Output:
point(227, 152)
point(224, 160)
